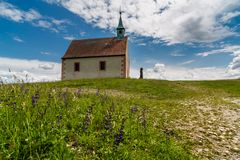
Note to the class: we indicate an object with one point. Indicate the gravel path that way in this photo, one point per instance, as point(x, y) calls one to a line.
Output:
point(214, 127)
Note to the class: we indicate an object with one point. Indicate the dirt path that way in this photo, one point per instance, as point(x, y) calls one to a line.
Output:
point(214, 125)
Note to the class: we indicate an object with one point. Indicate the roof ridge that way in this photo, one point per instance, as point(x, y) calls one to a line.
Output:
point(96, 38)
point(93, 38)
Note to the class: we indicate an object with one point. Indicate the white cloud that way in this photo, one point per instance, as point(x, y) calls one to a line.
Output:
point(188, 62)
point(69, 38)
point(142, 44)
point(12, 69)
point(52, 1)
point(46, 66)
point(161, 71)
point(82, 33)
point(60, 22)
point(18, 39)
point(32, 16)
point(171, 21)
point(45, 24)
point(228, 16)
point(177, 54)
point(225, 49)
point(45, 53)
point(11, 12)
point(234, 66)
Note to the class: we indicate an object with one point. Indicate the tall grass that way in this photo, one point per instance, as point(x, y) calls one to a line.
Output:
point(41, 121)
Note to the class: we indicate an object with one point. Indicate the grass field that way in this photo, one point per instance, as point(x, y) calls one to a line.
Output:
point(120, 119)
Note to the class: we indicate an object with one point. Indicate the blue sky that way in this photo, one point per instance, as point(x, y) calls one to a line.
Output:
point(170, 39)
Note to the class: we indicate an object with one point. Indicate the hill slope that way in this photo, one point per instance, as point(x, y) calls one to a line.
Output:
point(121, 118)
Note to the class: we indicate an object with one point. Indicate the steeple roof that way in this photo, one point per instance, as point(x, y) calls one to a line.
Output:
point(120, 24)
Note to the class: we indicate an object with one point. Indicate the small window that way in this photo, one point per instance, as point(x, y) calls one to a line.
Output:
point(102, 65)
point(77, 67)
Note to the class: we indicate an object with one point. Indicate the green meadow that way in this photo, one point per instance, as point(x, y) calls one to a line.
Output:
point(120, 119)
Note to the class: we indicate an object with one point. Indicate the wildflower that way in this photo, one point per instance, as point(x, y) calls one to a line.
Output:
point(35, 99)
point(87, 119)
point(107, 122)
point(86, 123)
point(50, 97)
point(134, 109)
point(119, 137)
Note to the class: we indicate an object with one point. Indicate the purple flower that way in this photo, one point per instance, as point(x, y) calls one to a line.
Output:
point(87, 119)
point(35, 99)
point(119, 137)
point(107, 122)
point(134, 109)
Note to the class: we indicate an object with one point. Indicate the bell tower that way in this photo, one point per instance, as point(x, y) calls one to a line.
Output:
point(120, 28)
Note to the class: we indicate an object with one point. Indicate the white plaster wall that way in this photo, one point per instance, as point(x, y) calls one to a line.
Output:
point(89, 68)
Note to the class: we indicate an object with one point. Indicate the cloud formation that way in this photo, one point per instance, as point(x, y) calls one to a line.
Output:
point(69, 38)
point(225, 49)
point(177, 54)
point(46, 66)
point(17, 39)
point(171, 21)
point(162, 71)
point(234, 66)
point(45, 53)
point(187, 62)
point(12, 70)
point(230, 15)
point(13, 13)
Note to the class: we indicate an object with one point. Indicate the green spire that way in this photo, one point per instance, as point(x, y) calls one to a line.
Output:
point(120, 28)
point(120, 24)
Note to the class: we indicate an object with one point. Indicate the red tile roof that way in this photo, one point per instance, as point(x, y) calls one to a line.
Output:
point(96, 48)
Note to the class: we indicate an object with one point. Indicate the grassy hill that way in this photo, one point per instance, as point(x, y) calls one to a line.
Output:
point(120, 119)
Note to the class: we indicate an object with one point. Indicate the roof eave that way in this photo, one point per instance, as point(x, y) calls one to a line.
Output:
point(95, 56)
